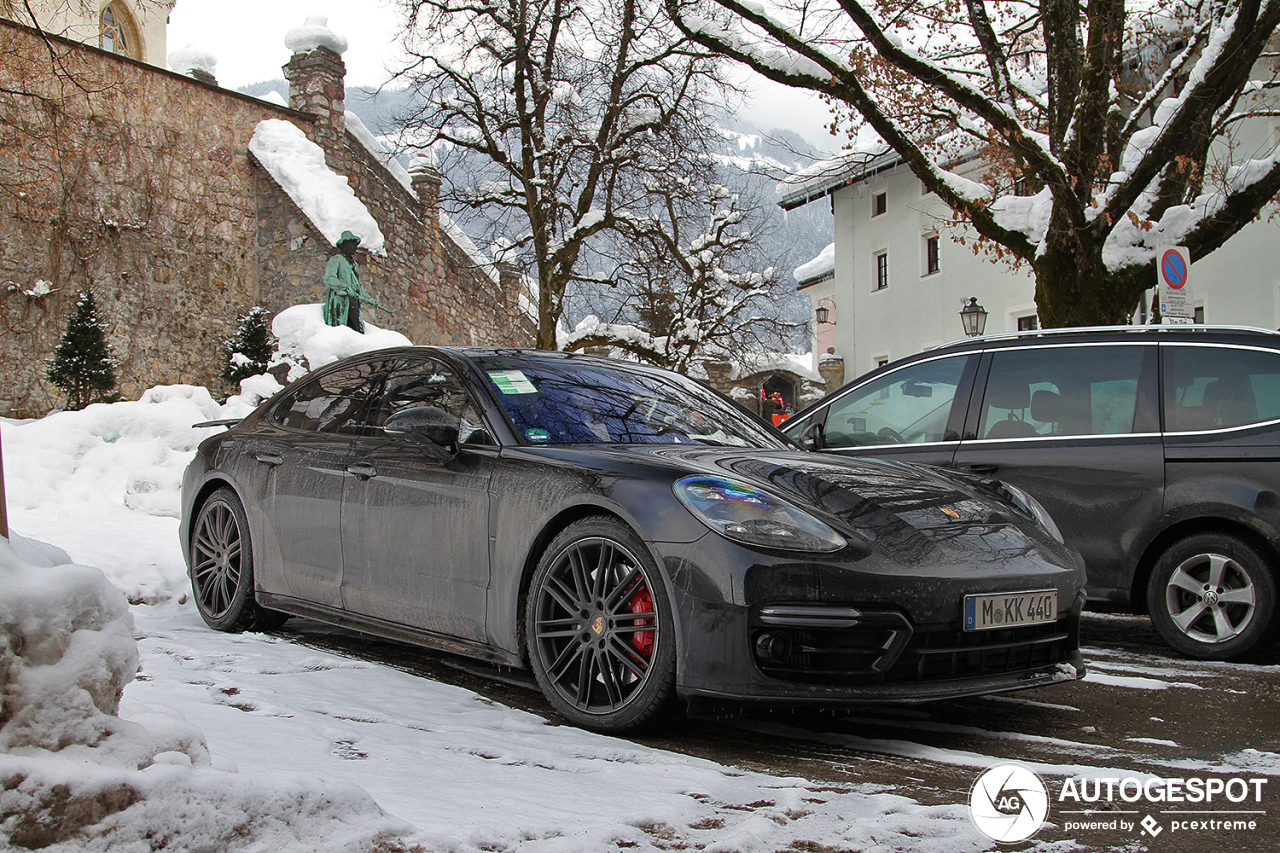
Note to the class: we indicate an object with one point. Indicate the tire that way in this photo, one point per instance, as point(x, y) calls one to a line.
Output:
point(1213, 597)
point(222, 568)
point(599, 629)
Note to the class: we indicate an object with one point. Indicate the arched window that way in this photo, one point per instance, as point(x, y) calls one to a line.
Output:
point(118, 32)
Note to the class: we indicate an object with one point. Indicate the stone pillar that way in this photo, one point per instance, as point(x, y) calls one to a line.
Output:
point(831, 367)
point(427, 181)
point(317, 85)
point(511, 280)
point(719, 375)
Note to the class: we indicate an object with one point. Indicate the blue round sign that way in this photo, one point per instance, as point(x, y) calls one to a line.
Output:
point(1173, 269)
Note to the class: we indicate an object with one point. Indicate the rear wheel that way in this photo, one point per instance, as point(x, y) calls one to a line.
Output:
point(222, 568)
point(601, 637)
point(1213, 597)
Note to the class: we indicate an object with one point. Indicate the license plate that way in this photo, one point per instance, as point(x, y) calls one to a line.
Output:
point(1010, 609)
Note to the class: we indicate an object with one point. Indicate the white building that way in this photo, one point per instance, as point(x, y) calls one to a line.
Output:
point(901, 270)
point(132, 28)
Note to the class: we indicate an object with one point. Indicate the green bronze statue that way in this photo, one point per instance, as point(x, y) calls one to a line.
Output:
point(344, 292)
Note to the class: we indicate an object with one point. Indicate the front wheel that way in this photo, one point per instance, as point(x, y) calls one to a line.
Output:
point(600, 634)
point(222, 568)
point(1213, 597)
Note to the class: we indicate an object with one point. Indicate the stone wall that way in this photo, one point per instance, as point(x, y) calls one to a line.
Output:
point(137, 183)
point(130, 181)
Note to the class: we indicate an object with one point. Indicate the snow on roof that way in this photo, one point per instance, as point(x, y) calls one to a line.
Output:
point(824, 176)
point(801, 364)
point(820, 267)
point(192, 58)
point(323, 195)
point(313, 34)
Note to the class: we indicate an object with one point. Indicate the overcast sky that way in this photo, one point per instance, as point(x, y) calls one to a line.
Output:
point(247, 37)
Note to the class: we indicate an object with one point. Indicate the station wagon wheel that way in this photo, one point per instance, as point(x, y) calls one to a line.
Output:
point(222, 568)
point(600, 635)
point(1213, 597)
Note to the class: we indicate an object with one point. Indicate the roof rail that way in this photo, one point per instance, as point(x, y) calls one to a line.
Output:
point(1034, 333)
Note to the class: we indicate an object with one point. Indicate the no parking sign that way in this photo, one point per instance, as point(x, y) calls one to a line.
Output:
point(1173, 269)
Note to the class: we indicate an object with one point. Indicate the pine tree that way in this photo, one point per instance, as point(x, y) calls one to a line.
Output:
point(82, 365)
point(249, 352)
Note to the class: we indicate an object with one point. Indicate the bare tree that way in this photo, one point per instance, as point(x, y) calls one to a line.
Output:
point(581, 111)
point(693, 284)
point(1108, 129)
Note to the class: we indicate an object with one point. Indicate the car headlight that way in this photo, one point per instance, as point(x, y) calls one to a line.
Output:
point(1032, 507)
point(746, 514)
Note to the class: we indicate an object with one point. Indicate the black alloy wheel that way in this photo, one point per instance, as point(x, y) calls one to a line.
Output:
point(600, 634)
point(222, 568)
point(1213, 597)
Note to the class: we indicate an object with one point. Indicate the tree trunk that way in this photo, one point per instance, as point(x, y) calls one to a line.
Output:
point(1074, 287)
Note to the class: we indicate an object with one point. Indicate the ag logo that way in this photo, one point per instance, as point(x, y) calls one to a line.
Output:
point(1008, 803)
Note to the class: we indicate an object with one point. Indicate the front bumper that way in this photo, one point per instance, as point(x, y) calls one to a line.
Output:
point(882, 659)
point(784, 632)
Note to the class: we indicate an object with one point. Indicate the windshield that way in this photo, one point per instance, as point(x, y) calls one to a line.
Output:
point(572, 401)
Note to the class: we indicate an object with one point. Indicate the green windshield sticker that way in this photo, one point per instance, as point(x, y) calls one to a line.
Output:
point(512, 382)
point(537, 435)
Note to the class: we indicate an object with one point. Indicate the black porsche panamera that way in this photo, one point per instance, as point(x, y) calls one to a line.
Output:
point(627, 533)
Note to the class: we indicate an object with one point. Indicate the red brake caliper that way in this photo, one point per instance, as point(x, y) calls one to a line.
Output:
point(642, 602)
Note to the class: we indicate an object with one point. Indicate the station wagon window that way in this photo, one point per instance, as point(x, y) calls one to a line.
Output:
point(1047, 391)
point(334, 402)
point(414, 382)
point(1218, 387)
point(907, 406)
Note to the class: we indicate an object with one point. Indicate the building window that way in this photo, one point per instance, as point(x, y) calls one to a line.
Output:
point(879, 203)
point(118, 33)
point(1029, 323)
point(1199, 316)
point(882, 271)
point(932, 261)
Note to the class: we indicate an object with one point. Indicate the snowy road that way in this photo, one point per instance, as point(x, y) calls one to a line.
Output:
point(1142, 711)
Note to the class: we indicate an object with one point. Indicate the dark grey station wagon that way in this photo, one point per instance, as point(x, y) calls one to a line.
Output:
point(1156, 450)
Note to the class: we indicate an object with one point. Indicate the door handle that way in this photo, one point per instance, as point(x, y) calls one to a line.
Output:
point(362, 470)
point(982, 468)
point(272, 459)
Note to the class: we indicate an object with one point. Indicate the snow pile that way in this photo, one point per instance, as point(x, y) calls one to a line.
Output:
point(127, 454)
point(192, 58)
point(312, 34)
point(66, 653)
point(307, 343)
point(78, 777)
point(324, 196)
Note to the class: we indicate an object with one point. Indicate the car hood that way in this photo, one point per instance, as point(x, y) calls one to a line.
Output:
point(887, 504)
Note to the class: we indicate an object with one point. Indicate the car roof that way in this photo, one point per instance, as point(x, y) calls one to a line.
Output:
point(1095, 334)
point(1194, 333)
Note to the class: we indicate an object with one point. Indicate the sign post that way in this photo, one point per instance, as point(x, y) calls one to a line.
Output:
point(1173, 272)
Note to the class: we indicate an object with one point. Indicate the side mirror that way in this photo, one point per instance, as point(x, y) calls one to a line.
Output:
point(429, 426)
point(811, 437)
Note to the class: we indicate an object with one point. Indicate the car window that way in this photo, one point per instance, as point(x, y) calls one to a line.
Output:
point(332, 402)
point(907, 406)
point(414, 382)
point(568, 401)
point(1216, 387)
point(1043, 391)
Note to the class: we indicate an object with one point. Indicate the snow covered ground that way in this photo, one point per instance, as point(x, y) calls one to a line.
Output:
point(252, 743)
